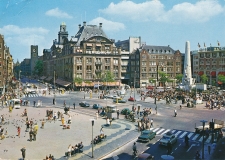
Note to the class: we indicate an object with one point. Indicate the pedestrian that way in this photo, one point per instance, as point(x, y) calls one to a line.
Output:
point(151, 123)
point(18, 131)
point(96, 115)
point(43, 123)
point(54, 117)
point(23, 150)
point(101, 131)
point(175, 113)
point(118, 114)
point(53, 101)
point(180, 106)
point(31, 135)
point(63, 121)
point(58, 114)
point(209, 149)
point(34, 103)
point(74, 105)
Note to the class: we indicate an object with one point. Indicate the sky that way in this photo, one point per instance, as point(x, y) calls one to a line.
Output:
point(158, 22)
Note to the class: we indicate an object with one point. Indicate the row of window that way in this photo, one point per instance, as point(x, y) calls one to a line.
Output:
point(98, 60)
point(89, 68)
point(154, 69)
point(154, 63)
point(144, 75)
point(155, 57)
point(91, 75)
point(209, 55)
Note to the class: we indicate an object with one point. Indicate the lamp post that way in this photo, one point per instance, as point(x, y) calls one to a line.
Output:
point(203, 142)
point(19, 84)
point(134, 87)
point(92, 123)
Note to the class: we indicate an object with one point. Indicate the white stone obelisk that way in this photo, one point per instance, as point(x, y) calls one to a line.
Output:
point(187, 80)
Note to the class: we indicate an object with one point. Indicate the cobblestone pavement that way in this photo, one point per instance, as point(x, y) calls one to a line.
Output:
point(53, 139)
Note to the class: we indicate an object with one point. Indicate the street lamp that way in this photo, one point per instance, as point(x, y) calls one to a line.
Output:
point(19, 84)
point(92, 123)
point(134, 88)
point(203, 142)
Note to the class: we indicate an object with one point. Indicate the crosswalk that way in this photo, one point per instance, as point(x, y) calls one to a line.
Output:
point(31, 95)
point(180, 134)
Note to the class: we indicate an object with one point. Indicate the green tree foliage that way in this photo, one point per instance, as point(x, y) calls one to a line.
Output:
point(204, 78)
point(78, 80)
point(38, 68)
point(221, 78)
point(108, 77)
point(179, 78)
point(164, 77)
point(151, 80)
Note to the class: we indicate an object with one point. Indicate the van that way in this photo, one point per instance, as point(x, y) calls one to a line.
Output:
point(16, 103)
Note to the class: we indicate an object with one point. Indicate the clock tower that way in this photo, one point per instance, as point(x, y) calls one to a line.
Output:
point(34, 57)
point(62, 33)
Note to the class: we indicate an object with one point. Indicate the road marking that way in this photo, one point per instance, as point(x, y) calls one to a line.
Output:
point(156, 129)
point(183, 135)
point(209, 139)
point(178, 133)
point(190, 134)
point(151, 129)
point(200, 139)
point(160, 131)
point(190, 147)
point(165, 131)
point(173, 131)
point(195, 137)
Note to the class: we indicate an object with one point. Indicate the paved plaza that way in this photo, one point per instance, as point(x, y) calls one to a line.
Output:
point(53, 139)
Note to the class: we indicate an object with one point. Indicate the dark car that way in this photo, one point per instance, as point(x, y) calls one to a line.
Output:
point(146, 136)
point(97, 106)
point(84, 104)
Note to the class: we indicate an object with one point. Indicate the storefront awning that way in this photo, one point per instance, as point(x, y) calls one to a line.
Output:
point(213, 73)
point(43, 77)
point(88, 44)
point(62, 83)
point(222, 73)
point(98, 45)
point(200, 73)
point(49, 78)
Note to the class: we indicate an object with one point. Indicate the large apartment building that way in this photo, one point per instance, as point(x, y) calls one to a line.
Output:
point(89, 55)
point(209, 61)
point(147, 61)
point(6, 66)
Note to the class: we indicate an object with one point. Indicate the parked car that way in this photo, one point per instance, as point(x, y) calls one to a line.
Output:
point(146, 136)
point(131, 99)
point(97, 106)
point(108, 96)
point(119, 100)
point(168, 137)
point(125, 111)
point(84, 104)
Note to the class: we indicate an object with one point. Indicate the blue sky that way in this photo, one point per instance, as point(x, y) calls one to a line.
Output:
point(158, 22)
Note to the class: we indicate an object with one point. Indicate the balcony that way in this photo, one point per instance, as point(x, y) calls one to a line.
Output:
point(98, 63)
point(98, 71)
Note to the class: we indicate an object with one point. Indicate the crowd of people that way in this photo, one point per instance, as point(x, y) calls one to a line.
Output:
point(73, 150)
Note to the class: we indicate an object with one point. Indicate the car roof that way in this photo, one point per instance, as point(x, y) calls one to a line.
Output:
point(146, 131)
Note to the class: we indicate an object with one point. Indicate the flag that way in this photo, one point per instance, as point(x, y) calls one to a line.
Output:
point(199, 45)
point(218, 43)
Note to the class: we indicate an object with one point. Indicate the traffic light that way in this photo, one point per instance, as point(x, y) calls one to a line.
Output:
point(211, 125)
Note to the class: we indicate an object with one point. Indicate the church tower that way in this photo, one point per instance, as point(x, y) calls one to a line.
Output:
point(62, 33)
point(34, 57)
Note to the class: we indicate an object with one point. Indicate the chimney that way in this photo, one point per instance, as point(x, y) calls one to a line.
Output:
point(100, 25)
point(84, 23)
point(79, 26)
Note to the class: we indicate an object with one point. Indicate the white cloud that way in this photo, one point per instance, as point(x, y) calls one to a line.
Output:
point(154, 10)
point(108, 25)
point(58, 13)
point(24, 36)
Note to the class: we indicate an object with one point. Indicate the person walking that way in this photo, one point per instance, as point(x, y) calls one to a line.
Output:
point(31, 135)
point(74, 105)
point(151, 123)
point(101, 131)
point(209, 149)
point(34, 103)
point(23, 150)
point(175, 113)
point(18, 131)
point(118, 114)
point(63, 120)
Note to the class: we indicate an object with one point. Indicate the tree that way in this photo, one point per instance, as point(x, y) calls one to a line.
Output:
point(179, 78)
point(78, 80)
point(38, 68)
point(204, 78)
point(108, 77)
point(221, 78)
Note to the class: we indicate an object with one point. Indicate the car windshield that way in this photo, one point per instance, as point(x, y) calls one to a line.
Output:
point(144, 134)
point(166, 138)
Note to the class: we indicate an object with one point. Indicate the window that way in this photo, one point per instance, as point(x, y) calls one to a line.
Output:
point(152, 63)
point(177, 63)
point(79, 68)
point(178, 69)
point(98, 60)
point(0, 45)
point(107, 67)
point(143, 56)
point(78, 60)
point(161, 63)
point(143, 69)
point(214, 55)
point(153, 57)
point(88, 75)
point(169, 63)
point(143, 63)
point(89, 60)
point(107, 60)
point(144, 75)
point(207, 55)
point(132, 62)
point(160, 57)
point(115, 61)
point(201, 55)
point(98, 67)
point(88, 68)
point(115, 68)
